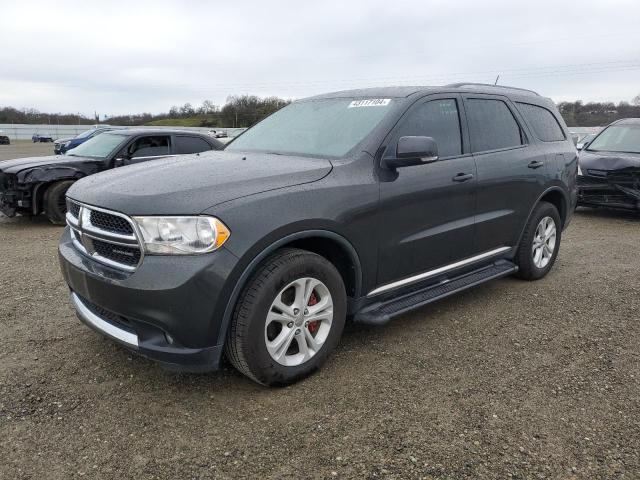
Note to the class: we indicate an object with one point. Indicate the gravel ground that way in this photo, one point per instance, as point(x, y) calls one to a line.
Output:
point(509, 380)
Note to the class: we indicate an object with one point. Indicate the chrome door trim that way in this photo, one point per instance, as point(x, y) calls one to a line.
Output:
point(437, 271)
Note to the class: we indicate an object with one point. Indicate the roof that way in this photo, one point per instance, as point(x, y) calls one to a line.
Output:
point(138, 131)
point(401, 92)
point(375, 92)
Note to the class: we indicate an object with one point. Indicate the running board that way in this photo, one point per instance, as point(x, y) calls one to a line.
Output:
point(381, 312)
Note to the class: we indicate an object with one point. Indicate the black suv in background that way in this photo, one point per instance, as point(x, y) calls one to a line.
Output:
point(363, 204)
point(609, 173)
point(29, 186)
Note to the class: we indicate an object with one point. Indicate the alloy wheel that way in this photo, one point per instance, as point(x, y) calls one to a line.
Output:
point(544, 242)
point(299, 321)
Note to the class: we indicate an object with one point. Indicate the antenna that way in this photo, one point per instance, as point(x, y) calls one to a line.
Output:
point(497, 78)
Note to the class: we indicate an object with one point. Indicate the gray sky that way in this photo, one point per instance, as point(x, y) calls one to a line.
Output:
point(128, 57)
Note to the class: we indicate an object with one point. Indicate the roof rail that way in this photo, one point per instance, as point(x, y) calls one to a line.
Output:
point(471, 84)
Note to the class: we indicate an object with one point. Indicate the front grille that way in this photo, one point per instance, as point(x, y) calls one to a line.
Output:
point(110, 223)
point(73, 208)
point(107, 237)
point(117, 253)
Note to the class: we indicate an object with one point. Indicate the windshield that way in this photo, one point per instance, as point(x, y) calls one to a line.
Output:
point(99, 146)
point(618, 138)
point(328, 127)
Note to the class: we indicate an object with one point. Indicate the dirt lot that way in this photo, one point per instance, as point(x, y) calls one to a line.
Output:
point(25, 148)
point(512, 379)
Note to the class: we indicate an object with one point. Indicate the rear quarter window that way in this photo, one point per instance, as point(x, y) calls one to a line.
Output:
point(544, 123)
point(186, 145)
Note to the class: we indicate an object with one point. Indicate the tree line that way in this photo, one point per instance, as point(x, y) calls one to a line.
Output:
point(245, 110)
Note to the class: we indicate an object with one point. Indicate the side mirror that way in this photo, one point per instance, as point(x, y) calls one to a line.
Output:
point(413, 151)
point(119, 160)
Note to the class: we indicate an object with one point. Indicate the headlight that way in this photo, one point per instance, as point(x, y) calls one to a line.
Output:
point(66, 144)
point(182, 235)
point(579, 170)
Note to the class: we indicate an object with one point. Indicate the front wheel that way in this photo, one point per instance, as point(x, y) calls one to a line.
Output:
point(55, 203)
point(288, 319)
point(540, 242)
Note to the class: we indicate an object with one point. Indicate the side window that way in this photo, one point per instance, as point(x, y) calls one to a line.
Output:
point(544, 124)
point(438, 119)
point(491, 125)
point(149, 146)
point(184, 145)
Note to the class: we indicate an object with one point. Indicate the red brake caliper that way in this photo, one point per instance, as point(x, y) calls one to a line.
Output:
point(313, 326)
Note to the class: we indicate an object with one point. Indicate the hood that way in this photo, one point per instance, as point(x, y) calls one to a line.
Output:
point(62, 140)
point(189, 184)
point(609, 161)
point(20, 164)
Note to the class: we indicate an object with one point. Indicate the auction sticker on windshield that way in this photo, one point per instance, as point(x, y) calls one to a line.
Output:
point(371, 102)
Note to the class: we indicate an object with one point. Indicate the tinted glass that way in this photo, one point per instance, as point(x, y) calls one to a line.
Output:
point(148, 146)
point(99, 146)
point(329, 127)
point(491, 125)
point(544, 124)
point(438, 119)
point(184, 145)
point(618, 138)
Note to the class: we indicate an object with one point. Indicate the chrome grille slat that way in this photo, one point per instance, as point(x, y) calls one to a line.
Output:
point(105, 239)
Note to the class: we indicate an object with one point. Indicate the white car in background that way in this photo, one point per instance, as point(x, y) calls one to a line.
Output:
point(218, 133)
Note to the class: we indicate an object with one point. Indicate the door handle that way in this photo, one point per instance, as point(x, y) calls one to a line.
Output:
point(462, 177)
point(536, 164)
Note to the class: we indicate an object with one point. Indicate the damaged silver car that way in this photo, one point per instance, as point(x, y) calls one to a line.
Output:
point(609, 168)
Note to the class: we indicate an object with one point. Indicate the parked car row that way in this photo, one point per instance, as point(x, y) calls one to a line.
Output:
point(30, 186)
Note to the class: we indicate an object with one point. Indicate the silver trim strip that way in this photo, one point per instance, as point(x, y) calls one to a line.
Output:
point(437, 271)
point(101, 325)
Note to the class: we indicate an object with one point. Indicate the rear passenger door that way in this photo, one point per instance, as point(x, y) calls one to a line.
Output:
point(186, 144)
point(511, 170)
point(427, 211)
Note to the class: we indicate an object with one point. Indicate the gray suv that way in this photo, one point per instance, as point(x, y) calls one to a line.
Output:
point(359, 205)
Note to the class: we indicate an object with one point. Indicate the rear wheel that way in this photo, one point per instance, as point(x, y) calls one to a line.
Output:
point(540, 242)
point(288, 319)
point(55, 204)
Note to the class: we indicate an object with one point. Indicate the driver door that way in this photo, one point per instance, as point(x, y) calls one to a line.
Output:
point(427, 211)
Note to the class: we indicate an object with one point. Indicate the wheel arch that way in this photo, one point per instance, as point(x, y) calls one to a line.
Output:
point(330, 245)
point(558, 198)
point(39, 190)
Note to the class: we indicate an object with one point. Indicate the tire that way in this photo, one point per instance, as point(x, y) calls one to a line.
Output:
point(534, 260)
point(253, 327)
point(55, 207)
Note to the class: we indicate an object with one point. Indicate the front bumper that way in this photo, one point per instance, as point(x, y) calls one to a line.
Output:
point(166, 310)
point(606, 192)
